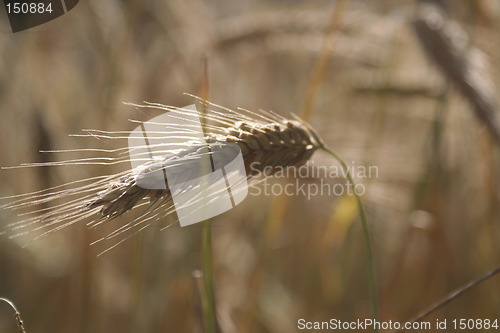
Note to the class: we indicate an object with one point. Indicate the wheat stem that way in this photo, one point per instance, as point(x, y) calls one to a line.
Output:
point(208, 301)
point(366, 233)
point(321, 66)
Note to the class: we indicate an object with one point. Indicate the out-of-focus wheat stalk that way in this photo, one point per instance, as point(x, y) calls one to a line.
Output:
point(303, 31)
point(453, 295)
point(446, 44)
point(208, 296)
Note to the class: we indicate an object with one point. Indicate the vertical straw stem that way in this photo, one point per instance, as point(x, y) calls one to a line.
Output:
point(321, 65)
point(208, 299)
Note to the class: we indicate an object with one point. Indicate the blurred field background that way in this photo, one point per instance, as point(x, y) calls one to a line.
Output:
point(433, 209)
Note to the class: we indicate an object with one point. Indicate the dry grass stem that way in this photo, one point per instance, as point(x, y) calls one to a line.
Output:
point(17, 315)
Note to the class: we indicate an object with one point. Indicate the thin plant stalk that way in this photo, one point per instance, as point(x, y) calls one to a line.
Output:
point(372, 279)
point(322, 63)
point(453, 295)
point(17, 314)
point(208, 299)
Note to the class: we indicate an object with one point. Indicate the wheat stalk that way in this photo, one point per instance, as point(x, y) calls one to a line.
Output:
point(447, 45)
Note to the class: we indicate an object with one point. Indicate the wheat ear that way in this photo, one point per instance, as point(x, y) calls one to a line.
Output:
point(267, 141)
point(446, 44)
